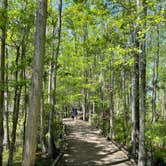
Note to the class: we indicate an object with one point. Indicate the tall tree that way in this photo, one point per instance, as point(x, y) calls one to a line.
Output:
point(135, 93)
point(142, 7)
point(111, 133)
point(17, 95)
point(2, 73)
point(42, 138)
point(36, 86)
point(155, 77)
point(51, 139)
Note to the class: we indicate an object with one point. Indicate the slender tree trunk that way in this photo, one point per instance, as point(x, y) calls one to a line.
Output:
point(6, 117)
point(111, 134)
point(52, 151)
point(135, 98)
point(7, 104)
point(26, 99)
point(36, 86)
point(93, 108)
point(90, 115)
point(85, 74)
point(14, 127)
point(155, 78)
point(42, 138)
point(125, 108)
point(49, 82)
point(17, 96)
point(83, 109)
point(2, 75)
point(141, 154)
point(102, 114)
point(26, 95)
point(84, 104)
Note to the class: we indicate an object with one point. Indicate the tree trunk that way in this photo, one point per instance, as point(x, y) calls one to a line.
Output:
point(90, 116)
point(93, 109)
point(6, 116)
point(52, 151)
point(2, 75)
point(26, 99)
point(111, 133)
point(125, 108)
point(17, 96)
point(36, 86)
point(155, 78)
point(84, 104)
point(135, 97)
point(83, 110)
point(42, 138)
point(141, 154)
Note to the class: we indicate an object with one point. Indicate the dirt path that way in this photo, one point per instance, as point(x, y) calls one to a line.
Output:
point(86, 147)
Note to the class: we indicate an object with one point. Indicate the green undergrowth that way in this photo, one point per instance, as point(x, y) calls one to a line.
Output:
point(17, 156)
point(155, 142)
point(17, 160)
point(43, 160)
point(159, 157)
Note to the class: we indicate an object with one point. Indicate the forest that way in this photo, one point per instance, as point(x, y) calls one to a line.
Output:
point(105, 57)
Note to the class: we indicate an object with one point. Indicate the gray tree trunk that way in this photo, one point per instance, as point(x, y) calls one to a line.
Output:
point(2, 76)
point(36, 86)
point(17, 95)
point(6, 116)
point(93, 109)
point(111, 133)
point(135, 97)
point(83, 110)
point(90, 116)
point(52, 151)
point(42, 137)
point(155, 78)
point(125, 113)
point(26, 101)
point(141, 154)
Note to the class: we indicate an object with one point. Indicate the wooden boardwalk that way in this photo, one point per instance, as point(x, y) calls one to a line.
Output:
point(86, 147)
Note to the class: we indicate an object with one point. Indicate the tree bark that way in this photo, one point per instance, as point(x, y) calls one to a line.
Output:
point(84, 104)
point(42, 138)
point(135, 96)
point(2, 75)
point(52, 151)
point(125, 113)
point(83, 110)
point(111, 133)
point(6, 116)
point(141, 154)
point(155, 78)
point(36, 86)
point(90, 116)
point(17, 96)
point(26, 100)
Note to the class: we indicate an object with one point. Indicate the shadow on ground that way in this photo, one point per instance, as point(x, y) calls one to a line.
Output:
point(86, 147)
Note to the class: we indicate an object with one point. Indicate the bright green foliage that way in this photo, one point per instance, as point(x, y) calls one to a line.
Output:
point(96, 44)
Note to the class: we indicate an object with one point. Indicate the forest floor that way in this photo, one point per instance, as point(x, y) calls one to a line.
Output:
point(87, 147)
